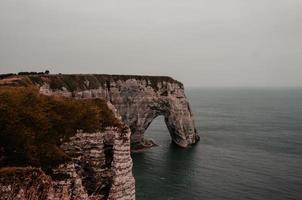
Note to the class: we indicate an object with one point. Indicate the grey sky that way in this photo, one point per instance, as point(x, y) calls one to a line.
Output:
point(199, 42)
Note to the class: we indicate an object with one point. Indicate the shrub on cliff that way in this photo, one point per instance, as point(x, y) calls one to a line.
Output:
point(32, 125)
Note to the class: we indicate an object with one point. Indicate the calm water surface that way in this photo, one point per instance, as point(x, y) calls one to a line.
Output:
point(250, 148)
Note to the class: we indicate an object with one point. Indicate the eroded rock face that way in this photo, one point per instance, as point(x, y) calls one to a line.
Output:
point(101, 168)
point(25, 183)
point(138, 99)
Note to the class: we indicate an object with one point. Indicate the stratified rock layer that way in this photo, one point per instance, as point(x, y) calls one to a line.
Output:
point(101, 168)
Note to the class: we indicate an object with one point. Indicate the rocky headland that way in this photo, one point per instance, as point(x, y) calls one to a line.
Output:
point(89, 162)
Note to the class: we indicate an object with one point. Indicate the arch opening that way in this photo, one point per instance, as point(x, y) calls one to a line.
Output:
point(158, 131)
point(154, 132)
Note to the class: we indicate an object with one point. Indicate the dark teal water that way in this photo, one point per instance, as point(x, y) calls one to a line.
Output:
point(250, 148)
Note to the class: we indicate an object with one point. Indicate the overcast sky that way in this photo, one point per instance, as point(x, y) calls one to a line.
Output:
point(199, 42)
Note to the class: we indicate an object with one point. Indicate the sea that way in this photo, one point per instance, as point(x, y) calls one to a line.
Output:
point(250, 148)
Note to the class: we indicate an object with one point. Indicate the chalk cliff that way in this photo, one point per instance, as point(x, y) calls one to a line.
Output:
point(101, 168)
point(138, 99)
point(39, 163)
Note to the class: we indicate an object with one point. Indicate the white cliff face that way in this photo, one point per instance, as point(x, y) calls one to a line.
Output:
point(103, 163)
point(139, 101)
point(101, 168)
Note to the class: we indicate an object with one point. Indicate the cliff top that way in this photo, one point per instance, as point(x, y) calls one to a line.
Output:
point(78, 81)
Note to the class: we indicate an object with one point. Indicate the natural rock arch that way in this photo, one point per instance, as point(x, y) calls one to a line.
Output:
point(138, 99)
point(177, 119)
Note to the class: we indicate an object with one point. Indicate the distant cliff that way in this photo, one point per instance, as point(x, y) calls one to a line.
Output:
point(138, 99)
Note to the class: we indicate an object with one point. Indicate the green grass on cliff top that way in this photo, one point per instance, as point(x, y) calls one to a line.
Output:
point(32, 125)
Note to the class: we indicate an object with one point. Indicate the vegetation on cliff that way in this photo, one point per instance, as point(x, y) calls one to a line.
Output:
point(32, 125)
point(75, 82)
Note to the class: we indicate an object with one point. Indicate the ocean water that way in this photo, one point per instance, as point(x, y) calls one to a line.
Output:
point(250, 148)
